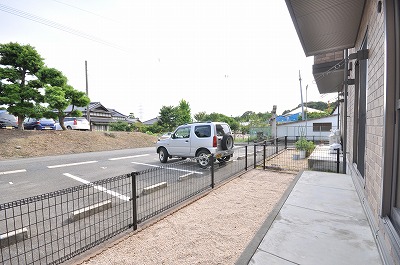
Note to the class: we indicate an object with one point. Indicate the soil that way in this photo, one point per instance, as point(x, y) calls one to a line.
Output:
point(21, 144)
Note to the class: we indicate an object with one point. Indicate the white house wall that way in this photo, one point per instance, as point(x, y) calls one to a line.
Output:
point(294, 130)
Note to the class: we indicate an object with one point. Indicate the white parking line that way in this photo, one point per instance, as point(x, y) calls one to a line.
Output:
point(126, 157)
point(13, 171)
point(177, 169)
point(73, 164)
point(100, 188)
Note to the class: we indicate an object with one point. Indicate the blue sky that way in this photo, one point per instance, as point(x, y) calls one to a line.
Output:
point(224, 56)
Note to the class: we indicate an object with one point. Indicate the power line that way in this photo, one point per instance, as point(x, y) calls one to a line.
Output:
point(84, 10)
point(57, 26)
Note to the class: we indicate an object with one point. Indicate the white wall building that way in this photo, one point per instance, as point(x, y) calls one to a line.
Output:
point(314, 129)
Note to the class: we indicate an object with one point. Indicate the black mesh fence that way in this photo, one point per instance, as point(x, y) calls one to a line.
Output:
point(54, 227)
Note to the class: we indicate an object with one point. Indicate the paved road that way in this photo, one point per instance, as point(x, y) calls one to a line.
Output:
point(23, 178)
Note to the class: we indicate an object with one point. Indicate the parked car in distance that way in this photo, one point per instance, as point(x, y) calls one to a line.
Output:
point(75, 123)
point(39, 124)
point(200, 141)
point(8, 121)
point(165, 136)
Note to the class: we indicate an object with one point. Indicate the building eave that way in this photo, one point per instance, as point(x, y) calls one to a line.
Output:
point(326, 25)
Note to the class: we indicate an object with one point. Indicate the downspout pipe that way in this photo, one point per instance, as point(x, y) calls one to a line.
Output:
point(346, 86)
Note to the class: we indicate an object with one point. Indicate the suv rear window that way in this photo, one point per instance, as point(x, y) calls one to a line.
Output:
point(202, 131)
point(222, 129)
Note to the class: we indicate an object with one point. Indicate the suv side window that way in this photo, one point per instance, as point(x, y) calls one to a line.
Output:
point(222, 129)
point(202, 131)
point(183, 132)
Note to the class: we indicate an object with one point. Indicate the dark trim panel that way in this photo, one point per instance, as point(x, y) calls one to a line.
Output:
point(389, 105)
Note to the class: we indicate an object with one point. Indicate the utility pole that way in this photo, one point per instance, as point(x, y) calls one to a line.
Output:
point(87, 94)
point(301, 93)
point(306, 112)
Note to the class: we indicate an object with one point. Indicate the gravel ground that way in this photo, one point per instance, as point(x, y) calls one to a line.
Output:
point(212, 230)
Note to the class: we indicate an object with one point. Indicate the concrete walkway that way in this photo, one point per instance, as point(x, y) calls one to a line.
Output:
point(322, 221)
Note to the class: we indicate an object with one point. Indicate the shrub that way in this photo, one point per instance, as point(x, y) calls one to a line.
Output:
point(303, 144)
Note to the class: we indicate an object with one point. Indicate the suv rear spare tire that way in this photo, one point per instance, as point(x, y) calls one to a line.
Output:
point(227, 142)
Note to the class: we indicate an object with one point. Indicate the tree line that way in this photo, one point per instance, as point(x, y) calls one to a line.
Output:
point(29, 88)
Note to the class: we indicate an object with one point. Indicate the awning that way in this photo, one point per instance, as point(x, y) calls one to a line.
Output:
point(329, 76)
point(326, 25)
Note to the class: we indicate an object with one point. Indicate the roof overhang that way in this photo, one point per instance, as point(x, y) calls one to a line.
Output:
point(326, 25)
point(329, 76)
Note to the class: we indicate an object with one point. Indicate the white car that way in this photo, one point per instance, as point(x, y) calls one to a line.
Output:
point(199, 140)
point(75, 123)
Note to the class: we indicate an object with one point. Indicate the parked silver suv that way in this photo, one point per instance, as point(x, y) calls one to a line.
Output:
point(198, 140)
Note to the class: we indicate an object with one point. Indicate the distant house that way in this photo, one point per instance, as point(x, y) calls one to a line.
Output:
point(101, 117)
point(151, 121)
point(313, 129)
point(294, 115)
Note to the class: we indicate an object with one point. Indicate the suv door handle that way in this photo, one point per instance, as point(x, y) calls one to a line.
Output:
point(187, 141)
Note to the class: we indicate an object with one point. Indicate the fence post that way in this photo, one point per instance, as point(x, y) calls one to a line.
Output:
point(265, 146)
point(337, 160)
point(212, 171)
point(133, 199)
point(285, 142)
point(245, 157)
point(255, 156)
point(276, 147)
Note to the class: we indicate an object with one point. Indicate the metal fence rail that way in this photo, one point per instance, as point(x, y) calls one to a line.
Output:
point(54, 227)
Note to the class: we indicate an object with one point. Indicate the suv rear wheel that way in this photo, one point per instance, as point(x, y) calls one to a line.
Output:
point(163, 155)
point(203, 158)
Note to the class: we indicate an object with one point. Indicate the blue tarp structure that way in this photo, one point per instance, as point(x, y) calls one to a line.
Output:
point(289, 118)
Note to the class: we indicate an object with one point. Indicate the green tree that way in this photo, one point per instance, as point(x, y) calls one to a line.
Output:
point(234, 124)
point(167, 118)
point(19, 86)
point(171, 117)
point(314, 115)
point(59, 95)
point(183, 113)
point(200, 116)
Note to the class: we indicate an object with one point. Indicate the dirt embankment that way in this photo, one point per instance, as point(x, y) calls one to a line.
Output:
point(19, 144)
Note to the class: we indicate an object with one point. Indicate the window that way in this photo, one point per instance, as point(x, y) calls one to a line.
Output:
point(183, 132)
point(202, 131)
point(322, 127)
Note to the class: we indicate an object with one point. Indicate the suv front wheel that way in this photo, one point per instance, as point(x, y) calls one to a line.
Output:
point(163, 155)
point(203, 158)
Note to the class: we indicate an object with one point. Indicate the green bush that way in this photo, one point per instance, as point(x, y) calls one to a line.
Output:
point(303, 144)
